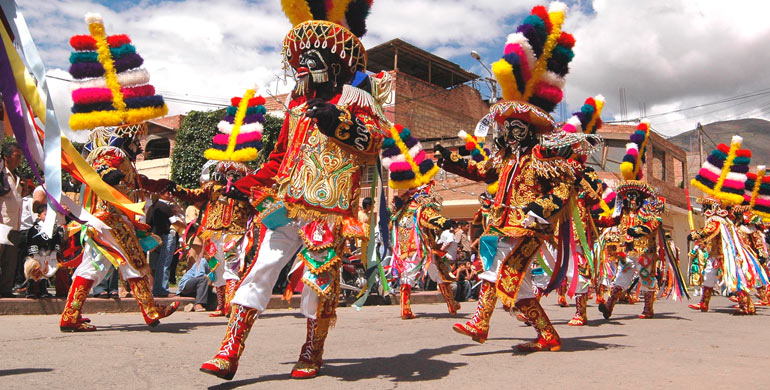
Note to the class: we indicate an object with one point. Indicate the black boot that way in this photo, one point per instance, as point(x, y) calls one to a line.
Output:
point(42, 288)
point(32, 287)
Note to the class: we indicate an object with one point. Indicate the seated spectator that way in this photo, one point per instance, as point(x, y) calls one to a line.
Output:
point(41, 251)
point(195, 282)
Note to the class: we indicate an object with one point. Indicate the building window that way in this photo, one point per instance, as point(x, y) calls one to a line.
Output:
point(659, 164)
point(157, 148)
point(614, 150)
point(368, 174)
point(679, 174)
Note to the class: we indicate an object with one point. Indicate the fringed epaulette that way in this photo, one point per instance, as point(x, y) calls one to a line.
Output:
point(554, 168)
point(357, 97)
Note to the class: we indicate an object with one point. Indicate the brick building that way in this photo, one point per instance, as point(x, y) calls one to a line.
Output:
point(155, 162)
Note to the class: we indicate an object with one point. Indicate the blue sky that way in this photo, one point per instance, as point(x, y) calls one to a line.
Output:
point(666, 54)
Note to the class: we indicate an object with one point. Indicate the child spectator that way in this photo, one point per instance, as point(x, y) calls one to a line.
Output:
point(41, 251)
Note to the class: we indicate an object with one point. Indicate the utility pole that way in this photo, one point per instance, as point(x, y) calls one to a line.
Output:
point(700, 144)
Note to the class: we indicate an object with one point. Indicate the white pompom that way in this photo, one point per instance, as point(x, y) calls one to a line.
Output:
point(94, 18)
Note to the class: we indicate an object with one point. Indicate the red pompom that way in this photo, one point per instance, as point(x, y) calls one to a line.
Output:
point(643, 126)
point(235, 101)
point(743, 153)
point(118, 40)
point(751, 175)
point(542, 13)
point(83, 42)
point(590, 101)
point(723, 148)
point(256, 101)
point(470, 146)
point(566, 40)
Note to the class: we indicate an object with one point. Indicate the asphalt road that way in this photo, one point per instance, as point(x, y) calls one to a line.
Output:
point(373, 348)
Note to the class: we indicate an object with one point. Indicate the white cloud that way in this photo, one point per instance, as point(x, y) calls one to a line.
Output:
point(667, 54)
point(670, 55)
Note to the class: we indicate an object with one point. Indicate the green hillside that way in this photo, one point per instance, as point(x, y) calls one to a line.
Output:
point(755, 133)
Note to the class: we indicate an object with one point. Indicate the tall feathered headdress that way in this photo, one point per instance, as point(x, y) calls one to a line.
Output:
point(758, 192)
point(588, 120)
point(536, 58)
point(478, 153)
point(404, 156)
point(240, 131)
point(335, 24)
point(112, 89)
point(723, 174)
point(631, 167)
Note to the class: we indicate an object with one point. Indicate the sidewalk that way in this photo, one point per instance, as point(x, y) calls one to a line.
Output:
point(24, 306)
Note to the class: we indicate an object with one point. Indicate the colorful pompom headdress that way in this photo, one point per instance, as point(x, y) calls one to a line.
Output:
point(578, 133)
point(404, 156)
point(633, 161)
point(240, 131)
point(758, 192)
point(723, 174)
point(531, 72)
point(334, 24)
point(112, 89)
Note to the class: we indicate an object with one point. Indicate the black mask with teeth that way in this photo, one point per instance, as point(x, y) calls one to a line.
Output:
point(320, 74)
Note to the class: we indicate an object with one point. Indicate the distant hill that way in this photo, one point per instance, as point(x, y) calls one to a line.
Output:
point(755, 133)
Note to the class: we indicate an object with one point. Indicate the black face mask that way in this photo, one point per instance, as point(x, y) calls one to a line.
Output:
point(632, 200)
point(518, 134)
point(319, 70)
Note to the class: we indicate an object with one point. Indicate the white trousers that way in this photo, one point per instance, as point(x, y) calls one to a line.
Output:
point(710, 273)
point(227, 270)
point(409, 277)
point(504, 247)
point(277, 249)
point(95, 266)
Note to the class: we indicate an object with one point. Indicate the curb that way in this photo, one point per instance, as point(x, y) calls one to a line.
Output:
point(24, 306)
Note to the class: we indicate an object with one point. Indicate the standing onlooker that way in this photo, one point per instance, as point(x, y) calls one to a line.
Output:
point(366, 208)
point(10, 216)
point(160, 219)
point(463, 242)
point(447, 241)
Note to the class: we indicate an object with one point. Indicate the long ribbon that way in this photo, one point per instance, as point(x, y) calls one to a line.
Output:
point(375, 268)
point(15, 112)
point(77, 163)
point(25, 84)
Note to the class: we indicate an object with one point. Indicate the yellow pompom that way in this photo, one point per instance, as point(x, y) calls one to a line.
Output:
point(297, 11)
point(504, 74)
point(627, 171)
point(214, 154)
point(243, 155)
point(492, 188)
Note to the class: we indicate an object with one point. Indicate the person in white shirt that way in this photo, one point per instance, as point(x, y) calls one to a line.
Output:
point(448, 244)
point(10, 218)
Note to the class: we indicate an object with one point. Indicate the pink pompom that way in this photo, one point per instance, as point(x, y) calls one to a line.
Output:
point(400, 166)
point(91, 95)
point(569, 128)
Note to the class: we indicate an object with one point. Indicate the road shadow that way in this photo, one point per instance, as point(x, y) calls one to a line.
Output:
point(406, 367)
point(19, 371)
point(163, 327)
point(662, 316)
point(274, 315)
point(442, 316)
point(568, 344)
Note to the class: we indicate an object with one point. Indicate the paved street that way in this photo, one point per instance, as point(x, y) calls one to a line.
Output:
point(374, 347)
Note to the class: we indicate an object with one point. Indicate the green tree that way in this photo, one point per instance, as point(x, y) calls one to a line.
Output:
point(193, 138)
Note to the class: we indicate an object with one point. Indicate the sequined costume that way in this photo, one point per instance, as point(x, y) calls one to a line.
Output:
point(723, 177)
point(226, 219)
point(116, 113)
point(535, 184)
point(332, 129)
point(415, 224)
